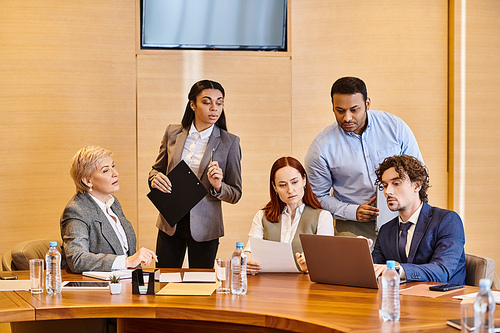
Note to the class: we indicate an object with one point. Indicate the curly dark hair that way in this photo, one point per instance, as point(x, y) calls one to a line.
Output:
point(406, 166)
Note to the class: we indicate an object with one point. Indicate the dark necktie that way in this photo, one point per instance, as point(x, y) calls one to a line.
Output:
point(402, 240)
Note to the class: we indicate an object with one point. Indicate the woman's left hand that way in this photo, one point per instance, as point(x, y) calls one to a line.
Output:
point(215, 175)
point(301, 260)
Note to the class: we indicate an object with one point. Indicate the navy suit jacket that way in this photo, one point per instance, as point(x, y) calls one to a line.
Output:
point(437, 247)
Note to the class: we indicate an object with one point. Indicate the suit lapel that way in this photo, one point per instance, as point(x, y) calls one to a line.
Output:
point(422, 225)
point(179, 146)
point(213, 143)
point(106, 229)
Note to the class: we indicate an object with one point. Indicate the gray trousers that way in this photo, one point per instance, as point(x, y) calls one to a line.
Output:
point(348, 228)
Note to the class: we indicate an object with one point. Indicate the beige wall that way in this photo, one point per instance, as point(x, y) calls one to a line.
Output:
point(68, 75)
point(257, 107)
point(476, 126)
point(72, 75)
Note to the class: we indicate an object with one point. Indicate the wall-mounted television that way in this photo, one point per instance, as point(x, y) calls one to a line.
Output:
point(214, 24)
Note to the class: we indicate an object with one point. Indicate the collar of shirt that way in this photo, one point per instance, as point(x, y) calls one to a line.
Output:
point(367, 129)
point(299, 210)
point(204, 135)
point(414, 217)
point(103, 205)
point(115, 224)
point(413, 220)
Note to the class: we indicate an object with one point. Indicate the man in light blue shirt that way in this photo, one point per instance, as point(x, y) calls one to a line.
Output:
point(345, 155)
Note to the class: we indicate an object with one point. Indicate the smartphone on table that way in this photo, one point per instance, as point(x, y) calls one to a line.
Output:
point(445, 287)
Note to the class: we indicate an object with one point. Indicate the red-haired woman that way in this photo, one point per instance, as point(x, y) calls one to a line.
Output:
point(294, 206)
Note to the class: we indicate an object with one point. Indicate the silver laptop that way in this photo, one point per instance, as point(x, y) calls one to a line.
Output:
point(345, 261)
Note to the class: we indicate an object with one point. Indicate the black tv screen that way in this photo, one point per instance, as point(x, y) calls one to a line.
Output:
point(214, 24)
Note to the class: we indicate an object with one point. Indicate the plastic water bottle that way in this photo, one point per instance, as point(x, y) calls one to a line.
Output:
point(239, 271)
point(484, 308)
point(53, 264)
point(389, 311)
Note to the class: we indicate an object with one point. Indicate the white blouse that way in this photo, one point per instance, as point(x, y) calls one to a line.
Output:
point(289, 228)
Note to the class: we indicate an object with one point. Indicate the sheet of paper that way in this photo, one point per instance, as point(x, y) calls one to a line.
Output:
point(9, 285)
point(496, 296)
point(423, 290)
point(274, 257)
point(170, 277)
point(198, 277)
point(188, 289)
point(122, 274)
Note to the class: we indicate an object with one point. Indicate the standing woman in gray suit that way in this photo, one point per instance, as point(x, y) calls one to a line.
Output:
point(214, 154)
point(96, 235)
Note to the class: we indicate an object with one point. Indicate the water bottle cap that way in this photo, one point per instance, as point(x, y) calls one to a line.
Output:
point(391, 263)
point(484, 283)
point(53, 244)
point(239, 244)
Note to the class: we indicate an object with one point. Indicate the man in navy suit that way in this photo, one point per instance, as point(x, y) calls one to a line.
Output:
point(427, 242)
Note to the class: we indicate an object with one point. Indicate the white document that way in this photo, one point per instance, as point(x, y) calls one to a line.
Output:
point(9, 285)
point(122, 274)
point(198, 277)
point(496, 296)
point(275, 257)
point(170, 277)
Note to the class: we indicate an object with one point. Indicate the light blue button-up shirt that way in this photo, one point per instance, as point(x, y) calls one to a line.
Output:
point(346, 161)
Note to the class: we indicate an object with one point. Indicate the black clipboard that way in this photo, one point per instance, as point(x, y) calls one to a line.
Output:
point(187, 191)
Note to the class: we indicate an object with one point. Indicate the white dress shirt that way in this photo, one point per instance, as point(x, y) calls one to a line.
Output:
point(413, 220)
point(195, 146)
point(120, 261)
point(289, 228)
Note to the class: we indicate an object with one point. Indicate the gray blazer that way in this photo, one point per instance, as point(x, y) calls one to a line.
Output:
point(89, 241)
point(206, 217)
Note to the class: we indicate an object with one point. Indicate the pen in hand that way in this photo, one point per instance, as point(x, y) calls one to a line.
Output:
point(212, 155)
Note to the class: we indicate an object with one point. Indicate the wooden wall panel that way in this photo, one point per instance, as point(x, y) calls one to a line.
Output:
point(477, 125)
point(398, 48)
point(257, 107)
point(68, 80)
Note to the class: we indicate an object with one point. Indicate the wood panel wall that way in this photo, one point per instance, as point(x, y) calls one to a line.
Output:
point(68, 75)
point(476, 127)
point(73, 75)
point(398, 48)
point(257, 107)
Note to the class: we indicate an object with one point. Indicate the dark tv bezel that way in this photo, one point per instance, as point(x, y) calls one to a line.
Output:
point(282, 48)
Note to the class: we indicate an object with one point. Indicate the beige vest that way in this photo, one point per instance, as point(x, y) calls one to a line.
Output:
point(308, 224)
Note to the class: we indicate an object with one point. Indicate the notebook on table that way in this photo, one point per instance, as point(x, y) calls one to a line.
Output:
point(345, 261)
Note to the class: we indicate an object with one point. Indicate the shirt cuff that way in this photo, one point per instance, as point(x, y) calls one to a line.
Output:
point(350, 212)
point(119, 263)
point(402, 274)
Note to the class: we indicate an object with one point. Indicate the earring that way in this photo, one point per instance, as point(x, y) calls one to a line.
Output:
point(90, 188)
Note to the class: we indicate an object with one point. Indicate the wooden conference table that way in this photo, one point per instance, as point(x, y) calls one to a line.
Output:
point(274, 303)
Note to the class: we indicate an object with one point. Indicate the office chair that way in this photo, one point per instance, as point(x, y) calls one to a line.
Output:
point(480, 267)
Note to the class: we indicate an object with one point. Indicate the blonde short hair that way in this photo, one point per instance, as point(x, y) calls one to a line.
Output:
point(84, 163)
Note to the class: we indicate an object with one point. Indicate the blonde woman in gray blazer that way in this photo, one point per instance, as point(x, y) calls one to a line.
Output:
point(96, 234)
point(214, 154)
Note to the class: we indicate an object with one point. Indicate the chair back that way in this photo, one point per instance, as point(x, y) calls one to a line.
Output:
point(20, 254)
point(479, 267)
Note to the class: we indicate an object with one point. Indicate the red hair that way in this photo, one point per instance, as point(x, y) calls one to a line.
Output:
point(275, 206)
